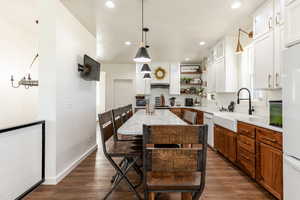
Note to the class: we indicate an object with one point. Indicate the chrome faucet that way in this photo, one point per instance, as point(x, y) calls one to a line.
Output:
point(251, 110)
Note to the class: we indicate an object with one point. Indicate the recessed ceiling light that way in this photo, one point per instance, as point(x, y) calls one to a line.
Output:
point(187, 59)
point(236, 4)
point(128, 43)
point(202, 43)
point(110, 4)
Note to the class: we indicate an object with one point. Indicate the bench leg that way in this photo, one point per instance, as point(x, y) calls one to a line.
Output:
point(186, 196)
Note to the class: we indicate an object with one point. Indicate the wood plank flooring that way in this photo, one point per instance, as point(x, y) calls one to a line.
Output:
point(91, 180)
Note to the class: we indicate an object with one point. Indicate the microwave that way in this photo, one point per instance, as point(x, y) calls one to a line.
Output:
point(275, 113)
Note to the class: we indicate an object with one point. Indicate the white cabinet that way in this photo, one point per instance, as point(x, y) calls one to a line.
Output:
point(263, 20)
point(175, 79)
point(142, 86)
point(264, 61)
point(292, 27)
point(222, 77)
point(219, 50)
point(211, 78)
point(268, 45)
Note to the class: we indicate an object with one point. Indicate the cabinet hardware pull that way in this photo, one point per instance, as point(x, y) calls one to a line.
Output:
point(268, 139)
point(270, 22)
point(278, 18)
point(269, 80)
point(276, 79)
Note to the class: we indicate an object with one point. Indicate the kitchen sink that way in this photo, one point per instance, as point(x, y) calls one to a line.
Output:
point(226, 120)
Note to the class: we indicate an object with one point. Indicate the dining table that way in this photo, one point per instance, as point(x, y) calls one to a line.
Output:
point(134, 125)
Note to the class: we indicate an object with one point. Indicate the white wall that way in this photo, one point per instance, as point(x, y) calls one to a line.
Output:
point(18, 47)
point(67, 102)
point(76, 98)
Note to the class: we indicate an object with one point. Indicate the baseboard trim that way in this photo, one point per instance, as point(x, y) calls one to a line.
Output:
point(70, 168)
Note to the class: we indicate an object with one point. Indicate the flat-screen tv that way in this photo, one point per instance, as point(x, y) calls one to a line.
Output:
point(90, 70)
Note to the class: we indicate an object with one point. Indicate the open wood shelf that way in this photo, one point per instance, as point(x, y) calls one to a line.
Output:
point(191, 72)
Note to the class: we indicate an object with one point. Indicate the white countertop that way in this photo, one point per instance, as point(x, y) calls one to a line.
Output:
point(254, 120)
point(134, 126)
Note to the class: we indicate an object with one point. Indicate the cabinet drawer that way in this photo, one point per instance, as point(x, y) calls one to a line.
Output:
point(246, 161)
point(246, 143)
point(269, 137)
point(246, 129)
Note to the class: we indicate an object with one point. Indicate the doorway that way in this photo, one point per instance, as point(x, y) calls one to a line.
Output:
point(124, 92)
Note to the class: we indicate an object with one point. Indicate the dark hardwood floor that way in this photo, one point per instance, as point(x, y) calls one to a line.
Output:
point(91, 180)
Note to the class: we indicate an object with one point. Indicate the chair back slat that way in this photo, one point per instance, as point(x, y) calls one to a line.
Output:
point(106, 126)
point(174, 160)
point(190, 117)
point(172, 134)
point(187, 159)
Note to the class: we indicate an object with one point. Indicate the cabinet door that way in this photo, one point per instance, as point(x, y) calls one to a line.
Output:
point(175, 79)
point(264, 61)
point(200, 117)
point(219, 50)
point(218, 138)
point(292, 23)
point(231, 140)
point(263, 19)
point(279, 12)
point(211, 78)
point(279, 49)
point(269, 169)
point(220, 76)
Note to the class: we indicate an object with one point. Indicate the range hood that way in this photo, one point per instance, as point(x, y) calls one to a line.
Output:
point(160, 85)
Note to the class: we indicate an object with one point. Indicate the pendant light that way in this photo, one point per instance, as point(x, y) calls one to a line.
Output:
point(146, 68)
point(147, 76)
point(142, 55)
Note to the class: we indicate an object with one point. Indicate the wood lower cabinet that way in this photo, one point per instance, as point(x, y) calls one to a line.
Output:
point(269, 162)
point(256, 151)
point(177, 111)
point(225, 142)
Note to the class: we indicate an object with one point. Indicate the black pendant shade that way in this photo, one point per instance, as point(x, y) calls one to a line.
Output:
point(146, 68)
point(147, 76)
point(142, 55)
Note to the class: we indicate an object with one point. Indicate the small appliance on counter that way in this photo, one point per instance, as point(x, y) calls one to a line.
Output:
point(275, 113)
point(140, 101)
point(189, 102)
point(172, 101)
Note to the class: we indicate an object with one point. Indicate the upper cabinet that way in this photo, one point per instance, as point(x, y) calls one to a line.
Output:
point(292, 26)
point(263, 20)
point(268, 44)
point(211, 78)
point(175, 79)
point(222, 70)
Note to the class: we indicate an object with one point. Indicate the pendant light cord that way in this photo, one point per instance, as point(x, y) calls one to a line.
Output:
point(142, 21)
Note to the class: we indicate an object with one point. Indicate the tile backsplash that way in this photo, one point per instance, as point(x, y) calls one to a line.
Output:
point(260, 104)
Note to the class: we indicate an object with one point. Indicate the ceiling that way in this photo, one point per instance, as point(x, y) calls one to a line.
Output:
point(176, 26)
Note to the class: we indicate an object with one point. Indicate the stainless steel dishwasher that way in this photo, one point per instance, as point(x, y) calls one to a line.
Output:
point(208, 119)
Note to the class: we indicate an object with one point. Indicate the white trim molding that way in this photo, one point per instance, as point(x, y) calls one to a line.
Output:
point(70, 168)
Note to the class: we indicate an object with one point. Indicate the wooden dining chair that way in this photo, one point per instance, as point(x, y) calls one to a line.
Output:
point(127, 151)
point(190, 117)
point(118, 121)
point(175, 169)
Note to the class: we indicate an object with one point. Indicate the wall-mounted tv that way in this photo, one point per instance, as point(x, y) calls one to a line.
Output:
point(90, 70)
